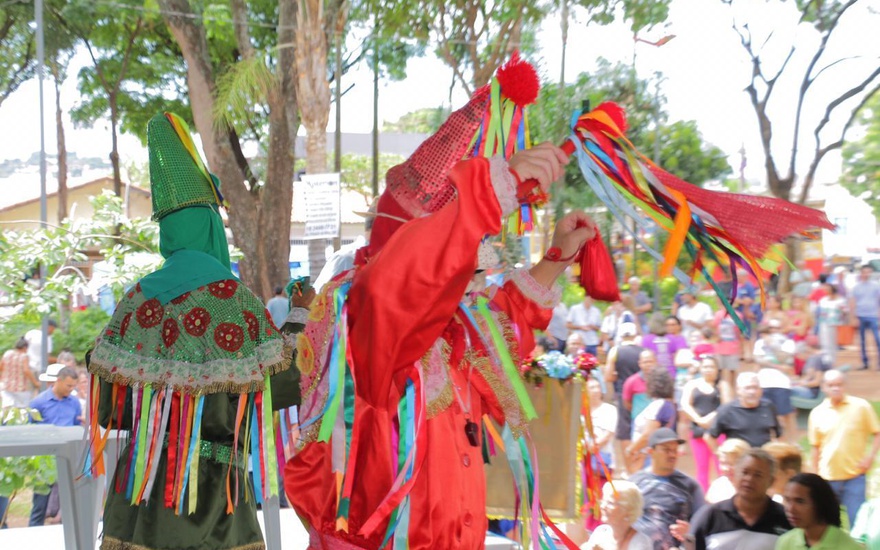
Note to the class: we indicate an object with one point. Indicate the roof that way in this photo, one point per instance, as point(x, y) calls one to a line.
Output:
point(24, 188)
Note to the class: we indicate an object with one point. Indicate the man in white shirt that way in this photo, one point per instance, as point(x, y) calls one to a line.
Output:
point(585, 319)
point(557, 330)
point(35, 347)
point(693, 314)
point(774, 354)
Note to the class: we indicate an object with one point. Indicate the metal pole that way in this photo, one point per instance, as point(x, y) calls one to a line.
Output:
point(375, 182)
point(337, 154)
point(656, 232)
point(41, 55)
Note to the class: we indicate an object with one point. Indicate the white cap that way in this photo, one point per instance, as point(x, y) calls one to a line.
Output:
point(627, 329)
point(51, 373)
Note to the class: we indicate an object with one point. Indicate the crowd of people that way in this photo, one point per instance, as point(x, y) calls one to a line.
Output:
point(694, 382)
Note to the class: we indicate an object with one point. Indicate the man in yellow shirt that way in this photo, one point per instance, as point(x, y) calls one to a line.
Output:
point(840, 429)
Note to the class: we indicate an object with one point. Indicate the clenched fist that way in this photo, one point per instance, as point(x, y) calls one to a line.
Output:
point(544, 162)
point(572, 231)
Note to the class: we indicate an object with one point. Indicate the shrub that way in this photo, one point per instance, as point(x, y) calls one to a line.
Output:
point(82, 329)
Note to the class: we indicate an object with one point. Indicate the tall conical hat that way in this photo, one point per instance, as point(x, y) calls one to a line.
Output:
point(178, 176)
point(419, 185)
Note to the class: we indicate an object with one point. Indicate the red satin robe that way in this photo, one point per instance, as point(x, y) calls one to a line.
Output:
point(400, 304)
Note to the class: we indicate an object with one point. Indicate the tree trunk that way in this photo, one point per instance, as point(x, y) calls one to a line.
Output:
point(313, 95)
point(316, 163)
point(277, 196)
point(248, 218)
point(114, 151)
point(62, 151)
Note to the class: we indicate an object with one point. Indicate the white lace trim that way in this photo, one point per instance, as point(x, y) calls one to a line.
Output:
point(535, 291)
point(246, 373)
point(297, 315)
point(504, 183)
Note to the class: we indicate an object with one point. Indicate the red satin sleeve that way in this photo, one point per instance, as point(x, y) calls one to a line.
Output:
point(401, 301)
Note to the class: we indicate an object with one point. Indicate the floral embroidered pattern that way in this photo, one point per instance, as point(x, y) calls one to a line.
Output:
point(253, 326)
point(223, 289)
point(229, 336)
point(196, 321)
point(124, 327)
point(150, 313)
point(198, 344)
point(170, 332)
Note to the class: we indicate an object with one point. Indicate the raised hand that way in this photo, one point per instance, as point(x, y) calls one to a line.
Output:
point(544, 162)
point(572, 231)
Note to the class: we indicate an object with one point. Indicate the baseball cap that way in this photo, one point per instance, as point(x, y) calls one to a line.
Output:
point(627, 329)
point(51, 373)
point(663, 435)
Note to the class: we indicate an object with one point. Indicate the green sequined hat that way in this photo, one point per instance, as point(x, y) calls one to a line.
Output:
point(178, 176)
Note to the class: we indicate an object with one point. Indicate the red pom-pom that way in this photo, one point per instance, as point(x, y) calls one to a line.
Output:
point(616, 113)
point(519, 80)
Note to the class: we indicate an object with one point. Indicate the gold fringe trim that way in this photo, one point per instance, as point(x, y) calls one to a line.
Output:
point(104, 371)
point(504, 393)
point(110, 543)
point(444, 399)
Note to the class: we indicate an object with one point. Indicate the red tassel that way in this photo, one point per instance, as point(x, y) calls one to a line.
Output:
point(519, 81)
point(616, 113)
point(597, 271)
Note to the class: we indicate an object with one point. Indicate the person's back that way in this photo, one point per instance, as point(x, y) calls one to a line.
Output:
point(626, 363)
point(16, 379)
point(278, 307)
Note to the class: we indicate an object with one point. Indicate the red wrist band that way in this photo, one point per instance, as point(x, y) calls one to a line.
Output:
point(554, 254)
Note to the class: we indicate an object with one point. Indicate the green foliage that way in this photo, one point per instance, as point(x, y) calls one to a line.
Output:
point(136, 68)
point(15, 327)
point(684, 153)
point(357, 171)
point(16, 473)
point(640, 13)
point(82, 329)
point(421, 121)
point(861, 158)
point(18, 57)
point(572, 292)
point(109, 232)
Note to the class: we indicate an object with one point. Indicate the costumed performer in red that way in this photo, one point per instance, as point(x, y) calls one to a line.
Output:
point(398, 367)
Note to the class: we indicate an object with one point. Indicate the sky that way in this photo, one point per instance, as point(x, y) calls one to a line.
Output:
point(705, 71)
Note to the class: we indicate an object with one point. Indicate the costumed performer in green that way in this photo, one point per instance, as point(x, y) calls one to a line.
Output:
point(192, 368)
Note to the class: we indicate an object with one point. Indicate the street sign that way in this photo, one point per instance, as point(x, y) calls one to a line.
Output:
point(321, 194)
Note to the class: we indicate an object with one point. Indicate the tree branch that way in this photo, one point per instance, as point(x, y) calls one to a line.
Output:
point(843, 97)
point(822, 151)
point(240, 25)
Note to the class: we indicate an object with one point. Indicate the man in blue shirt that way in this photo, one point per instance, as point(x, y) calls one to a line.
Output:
point(56, 406)
point(864, 306)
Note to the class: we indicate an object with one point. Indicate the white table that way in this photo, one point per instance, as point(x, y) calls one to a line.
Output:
point(80, 496)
